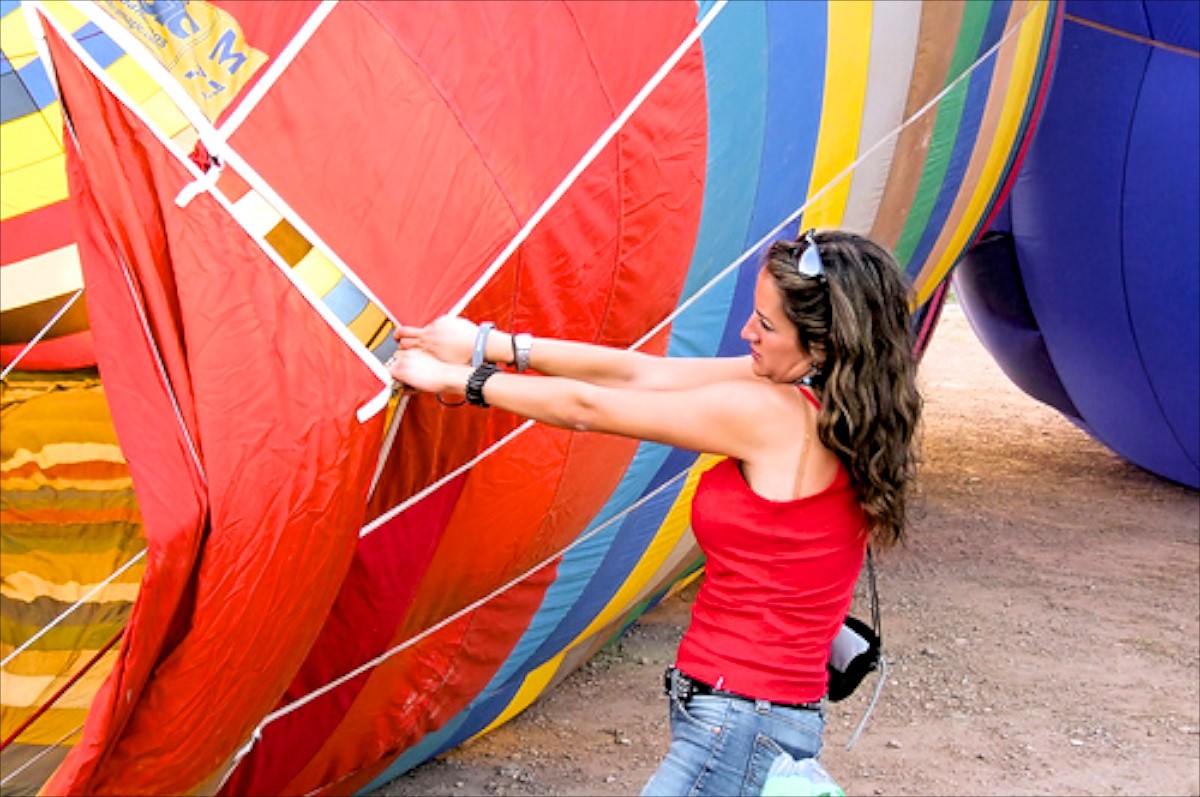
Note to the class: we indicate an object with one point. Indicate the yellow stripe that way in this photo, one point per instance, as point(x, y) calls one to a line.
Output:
point(38, 480)
point(27, 140)
point(49, 728)
point(43, 662)
point(847, 64)
point(317, 272)
point(33, 187)
point(28, 586)
point(26, 691)
point(53, 454)
point(676, 523)
point(138, 85)
point(1016, 100)
point(165, 114)
point(368, 322)
point(15, 39)
point(534, 684)
point(82, 567)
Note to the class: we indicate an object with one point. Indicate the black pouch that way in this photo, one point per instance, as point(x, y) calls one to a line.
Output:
point(853, 656)
point(855, 652)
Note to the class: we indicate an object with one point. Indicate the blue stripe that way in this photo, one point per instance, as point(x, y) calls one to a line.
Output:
point(346, 301)
point(98, 45)
point(796, 89)
point(37, 83)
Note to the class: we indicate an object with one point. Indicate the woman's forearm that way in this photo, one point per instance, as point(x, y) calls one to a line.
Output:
point(589, 362)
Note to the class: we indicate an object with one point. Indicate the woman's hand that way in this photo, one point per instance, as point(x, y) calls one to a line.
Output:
point(449, 338)
point(419, 370)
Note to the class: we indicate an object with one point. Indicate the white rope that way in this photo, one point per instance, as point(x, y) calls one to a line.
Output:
point(718, 277)
point(440, 483)
point(41, 333)
point(47, 751)
point(256, 735)
point(590, 155)
point(474, 605)
point(550, 201)
point(72, 608)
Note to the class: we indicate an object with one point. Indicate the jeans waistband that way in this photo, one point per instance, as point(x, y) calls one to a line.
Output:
point(679, 685)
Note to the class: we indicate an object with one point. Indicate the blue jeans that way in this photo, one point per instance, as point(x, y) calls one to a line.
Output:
point(725, 745)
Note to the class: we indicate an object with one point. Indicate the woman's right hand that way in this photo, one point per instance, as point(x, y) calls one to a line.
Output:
point(450, 339)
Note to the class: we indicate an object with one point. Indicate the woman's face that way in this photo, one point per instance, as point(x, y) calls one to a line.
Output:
point(774, 345)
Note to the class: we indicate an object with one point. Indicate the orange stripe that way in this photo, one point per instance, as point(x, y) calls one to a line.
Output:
point(60, 516)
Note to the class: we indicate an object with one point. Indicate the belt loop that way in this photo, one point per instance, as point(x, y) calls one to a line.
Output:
point(762, 706)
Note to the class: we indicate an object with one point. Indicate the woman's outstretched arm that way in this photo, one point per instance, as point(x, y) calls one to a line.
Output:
point(453, 339)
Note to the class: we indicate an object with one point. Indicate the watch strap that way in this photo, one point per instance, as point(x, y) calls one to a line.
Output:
point(522, 343)
point(475, 382)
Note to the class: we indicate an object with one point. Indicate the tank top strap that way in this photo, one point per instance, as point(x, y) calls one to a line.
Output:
point(808, 394)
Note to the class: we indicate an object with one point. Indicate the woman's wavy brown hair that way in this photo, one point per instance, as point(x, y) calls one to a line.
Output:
point(854, 321)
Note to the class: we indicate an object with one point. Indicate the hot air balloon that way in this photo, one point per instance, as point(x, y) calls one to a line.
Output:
point(1085, 290)
point(71, 541)
point(339, 584)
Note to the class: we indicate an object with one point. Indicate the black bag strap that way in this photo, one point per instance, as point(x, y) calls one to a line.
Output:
point(881, 663)
point(876, 625)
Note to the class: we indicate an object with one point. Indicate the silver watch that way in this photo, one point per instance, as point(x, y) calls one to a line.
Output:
point(522, 344)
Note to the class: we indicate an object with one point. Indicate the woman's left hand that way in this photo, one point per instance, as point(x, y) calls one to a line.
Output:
point(419, 370)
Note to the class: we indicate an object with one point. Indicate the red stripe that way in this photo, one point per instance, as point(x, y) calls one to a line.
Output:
point(56, 354)
point(36, 232)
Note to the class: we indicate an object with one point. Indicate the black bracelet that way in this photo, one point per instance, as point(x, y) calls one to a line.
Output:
point(475, 384)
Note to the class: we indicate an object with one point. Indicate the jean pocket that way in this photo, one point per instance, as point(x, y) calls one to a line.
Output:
point(763, 754)
point(704, 713)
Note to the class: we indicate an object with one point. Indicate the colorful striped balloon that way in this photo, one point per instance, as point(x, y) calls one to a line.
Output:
point(334, 593)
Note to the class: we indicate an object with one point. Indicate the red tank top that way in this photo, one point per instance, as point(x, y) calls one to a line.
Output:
point(779, 581)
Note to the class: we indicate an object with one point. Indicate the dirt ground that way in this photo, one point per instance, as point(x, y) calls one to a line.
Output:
point(1041, 630)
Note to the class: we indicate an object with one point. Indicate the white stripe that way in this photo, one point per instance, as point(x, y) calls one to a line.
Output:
point(40, 277)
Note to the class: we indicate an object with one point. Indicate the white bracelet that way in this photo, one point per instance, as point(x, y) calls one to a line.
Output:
point(479, 354)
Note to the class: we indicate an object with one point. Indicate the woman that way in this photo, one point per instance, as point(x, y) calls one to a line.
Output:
point(817, 424)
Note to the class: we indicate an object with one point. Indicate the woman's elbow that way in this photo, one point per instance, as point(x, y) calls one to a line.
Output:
point(581, 410)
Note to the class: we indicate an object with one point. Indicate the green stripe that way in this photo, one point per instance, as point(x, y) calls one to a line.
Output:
point(945, 130)
point(61, 637)
point(69, 498)
point(72, 538)
point(43, 610)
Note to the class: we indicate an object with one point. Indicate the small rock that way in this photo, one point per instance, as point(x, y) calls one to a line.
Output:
point(1077, 742)
point(893, 743)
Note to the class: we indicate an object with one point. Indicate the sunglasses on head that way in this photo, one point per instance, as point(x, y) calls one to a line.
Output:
point(809, 263)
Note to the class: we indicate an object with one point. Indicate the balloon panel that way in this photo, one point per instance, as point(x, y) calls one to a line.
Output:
point(1104, 233)
point(381, 165)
